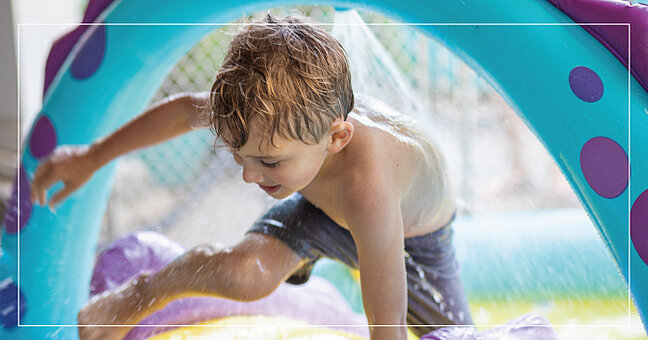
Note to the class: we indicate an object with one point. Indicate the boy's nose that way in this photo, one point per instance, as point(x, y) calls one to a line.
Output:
point(251, 176)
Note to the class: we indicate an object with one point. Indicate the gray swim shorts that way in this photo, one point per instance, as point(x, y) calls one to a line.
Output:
point(435, 292)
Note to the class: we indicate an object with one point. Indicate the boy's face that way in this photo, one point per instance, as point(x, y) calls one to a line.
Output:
point(280, 169)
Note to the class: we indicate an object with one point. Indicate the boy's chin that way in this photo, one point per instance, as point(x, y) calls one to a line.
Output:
point(282, 193)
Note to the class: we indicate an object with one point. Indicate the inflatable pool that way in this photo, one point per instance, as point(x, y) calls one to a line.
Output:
point(581, 88)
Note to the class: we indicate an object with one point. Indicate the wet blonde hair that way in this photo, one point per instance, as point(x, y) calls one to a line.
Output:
point(284, 76)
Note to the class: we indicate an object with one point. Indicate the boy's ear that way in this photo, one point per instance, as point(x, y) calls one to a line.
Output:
point(340, 135)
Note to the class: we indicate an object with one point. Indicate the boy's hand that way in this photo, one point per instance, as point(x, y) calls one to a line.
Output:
point(70, 164)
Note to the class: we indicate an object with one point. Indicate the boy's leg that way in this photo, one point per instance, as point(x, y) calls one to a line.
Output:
point(249, 271)
point(252, 269)
point(309, 232)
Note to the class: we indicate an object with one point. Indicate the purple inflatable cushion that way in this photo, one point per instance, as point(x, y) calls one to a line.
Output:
point(129, 256)
point(525, 327)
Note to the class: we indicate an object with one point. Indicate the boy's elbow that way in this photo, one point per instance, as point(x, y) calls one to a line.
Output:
point(252, 280)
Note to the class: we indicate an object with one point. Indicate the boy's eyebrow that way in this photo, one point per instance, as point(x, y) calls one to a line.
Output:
point(260, 156)
point(265, 157)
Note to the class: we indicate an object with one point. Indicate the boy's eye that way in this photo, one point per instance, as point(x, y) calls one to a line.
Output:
point(270, 164)
point(237, 158)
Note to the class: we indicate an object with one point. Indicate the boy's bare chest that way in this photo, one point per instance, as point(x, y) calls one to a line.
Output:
point(326, 197)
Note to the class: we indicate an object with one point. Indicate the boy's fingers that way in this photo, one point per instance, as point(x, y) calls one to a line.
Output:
point(42, 183)
point(37, 194)
point(34, 185)
point(37, 191)
point(33, 193)
point(61, 194)
point(43, 169)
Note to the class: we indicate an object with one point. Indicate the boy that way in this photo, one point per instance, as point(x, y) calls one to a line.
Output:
point(361, 184)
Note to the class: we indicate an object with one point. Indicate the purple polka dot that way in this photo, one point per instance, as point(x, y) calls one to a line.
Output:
point(13, 208)
point(9, 303)
point(639, 225)
point(605, 166)
point(43, 137)
point(89, 57)
point(586, 84)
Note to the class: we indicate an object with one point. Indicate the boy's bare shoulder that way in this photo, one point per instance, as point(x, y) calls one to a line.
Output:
point(391, 158)
point(385, 141)
point(379, 160)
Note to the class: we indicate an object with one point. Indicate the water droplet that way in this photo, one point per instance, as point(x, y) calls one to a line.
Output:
point(261, 267)
point(420, 272)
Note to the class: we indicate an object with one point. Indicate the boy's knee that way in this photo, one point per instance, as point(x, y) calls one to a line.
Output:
point(253, 277)
point(237, 273)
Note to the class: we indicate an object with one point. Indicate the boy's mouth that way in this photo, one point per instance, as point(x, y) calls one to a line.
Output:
point(271, 189)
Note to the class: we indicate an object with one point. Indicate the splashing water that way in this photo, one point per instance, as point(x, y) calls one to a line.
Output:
point(373, 70)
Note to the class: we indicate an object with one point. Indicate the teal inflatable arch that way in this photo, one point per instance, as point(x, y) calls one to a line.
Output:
point(580, 101)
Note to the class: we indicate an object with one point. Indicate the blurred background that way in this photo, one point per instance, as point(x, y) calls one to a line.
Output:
point(193, 192)
point(494, 159)
point(496, 162)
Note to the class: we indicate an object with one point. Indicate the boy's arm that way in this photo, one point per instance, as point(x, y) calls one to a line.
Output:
point(374, 219)
point(75, 165)
point(170, 118)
